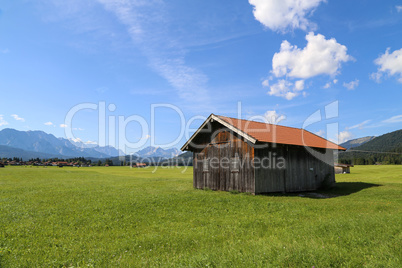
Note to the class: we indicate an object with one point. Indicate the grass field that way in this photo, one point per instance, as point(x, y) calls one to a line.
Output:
point(116, 216)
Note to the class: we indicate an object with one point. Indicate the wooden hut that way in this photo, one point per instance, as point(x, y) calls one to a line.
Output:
point(248, 156)
point(140, 165)
point(342, 168)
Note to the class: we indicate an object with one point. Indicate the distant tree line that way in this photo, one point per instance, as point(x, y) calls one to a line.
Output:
point(386, 150)
point(366, 158)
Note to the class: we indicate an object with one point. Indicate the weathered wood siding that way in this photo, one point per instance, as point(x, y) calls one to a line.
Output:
point(341, 170)
point(302, 171)
point(268, 176)
point(220, 174)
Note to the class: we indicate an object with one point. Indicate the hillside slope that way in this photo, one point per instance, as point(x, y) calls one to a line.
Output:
point(356, 142)
point(390, 142)
point(11, 152)
point(385, 149)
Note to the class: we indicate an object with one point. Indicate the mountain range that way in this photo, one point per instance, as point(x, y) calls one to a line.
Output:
point(158, 152)
point(38, 144)
point(41, 142)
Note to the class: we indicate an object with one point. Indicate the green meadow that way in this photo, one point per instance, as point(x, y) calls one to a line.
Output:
point(122, 217)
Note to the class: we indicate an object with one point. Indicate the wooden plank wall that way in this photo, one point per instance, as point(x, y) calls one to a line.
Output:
point(268, 176)
point(223, 147)
point(307, 172)
point(302, 172)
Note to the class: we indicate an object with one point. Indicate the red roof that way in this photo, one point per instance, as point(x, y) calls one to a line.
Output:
point(264, 132)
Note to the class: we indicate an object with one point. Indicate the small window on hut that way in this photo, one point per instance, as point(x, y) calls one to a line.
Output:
point(205, 166)
point(234, 164)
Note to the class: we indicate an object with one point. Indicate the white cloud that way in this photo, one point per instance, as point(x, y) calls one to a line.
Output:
point(352, 84)
point(319, 57)
point(149, 27)
point(398, 8)
point(81, 129)
point(285, 89)
point(344, 136)
point(376, 76)
point(299, 85)
point(390, 64)
point(2, 121)
point(394, 119)
point(320, 133)
point(273, 118)
point(282, 15)
point(16, 117)
point(327, 85)
point(63, 125)
point(91, 142)
point(48, 123)
point(360, 126)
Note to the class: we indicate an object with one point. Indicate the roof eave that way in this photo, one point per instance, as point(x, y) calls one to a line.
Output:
point(210, 118)
point(185, 146)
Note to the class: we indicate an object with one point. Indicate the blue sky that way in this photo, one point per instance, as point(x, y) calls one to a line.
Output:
point(284, 60)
